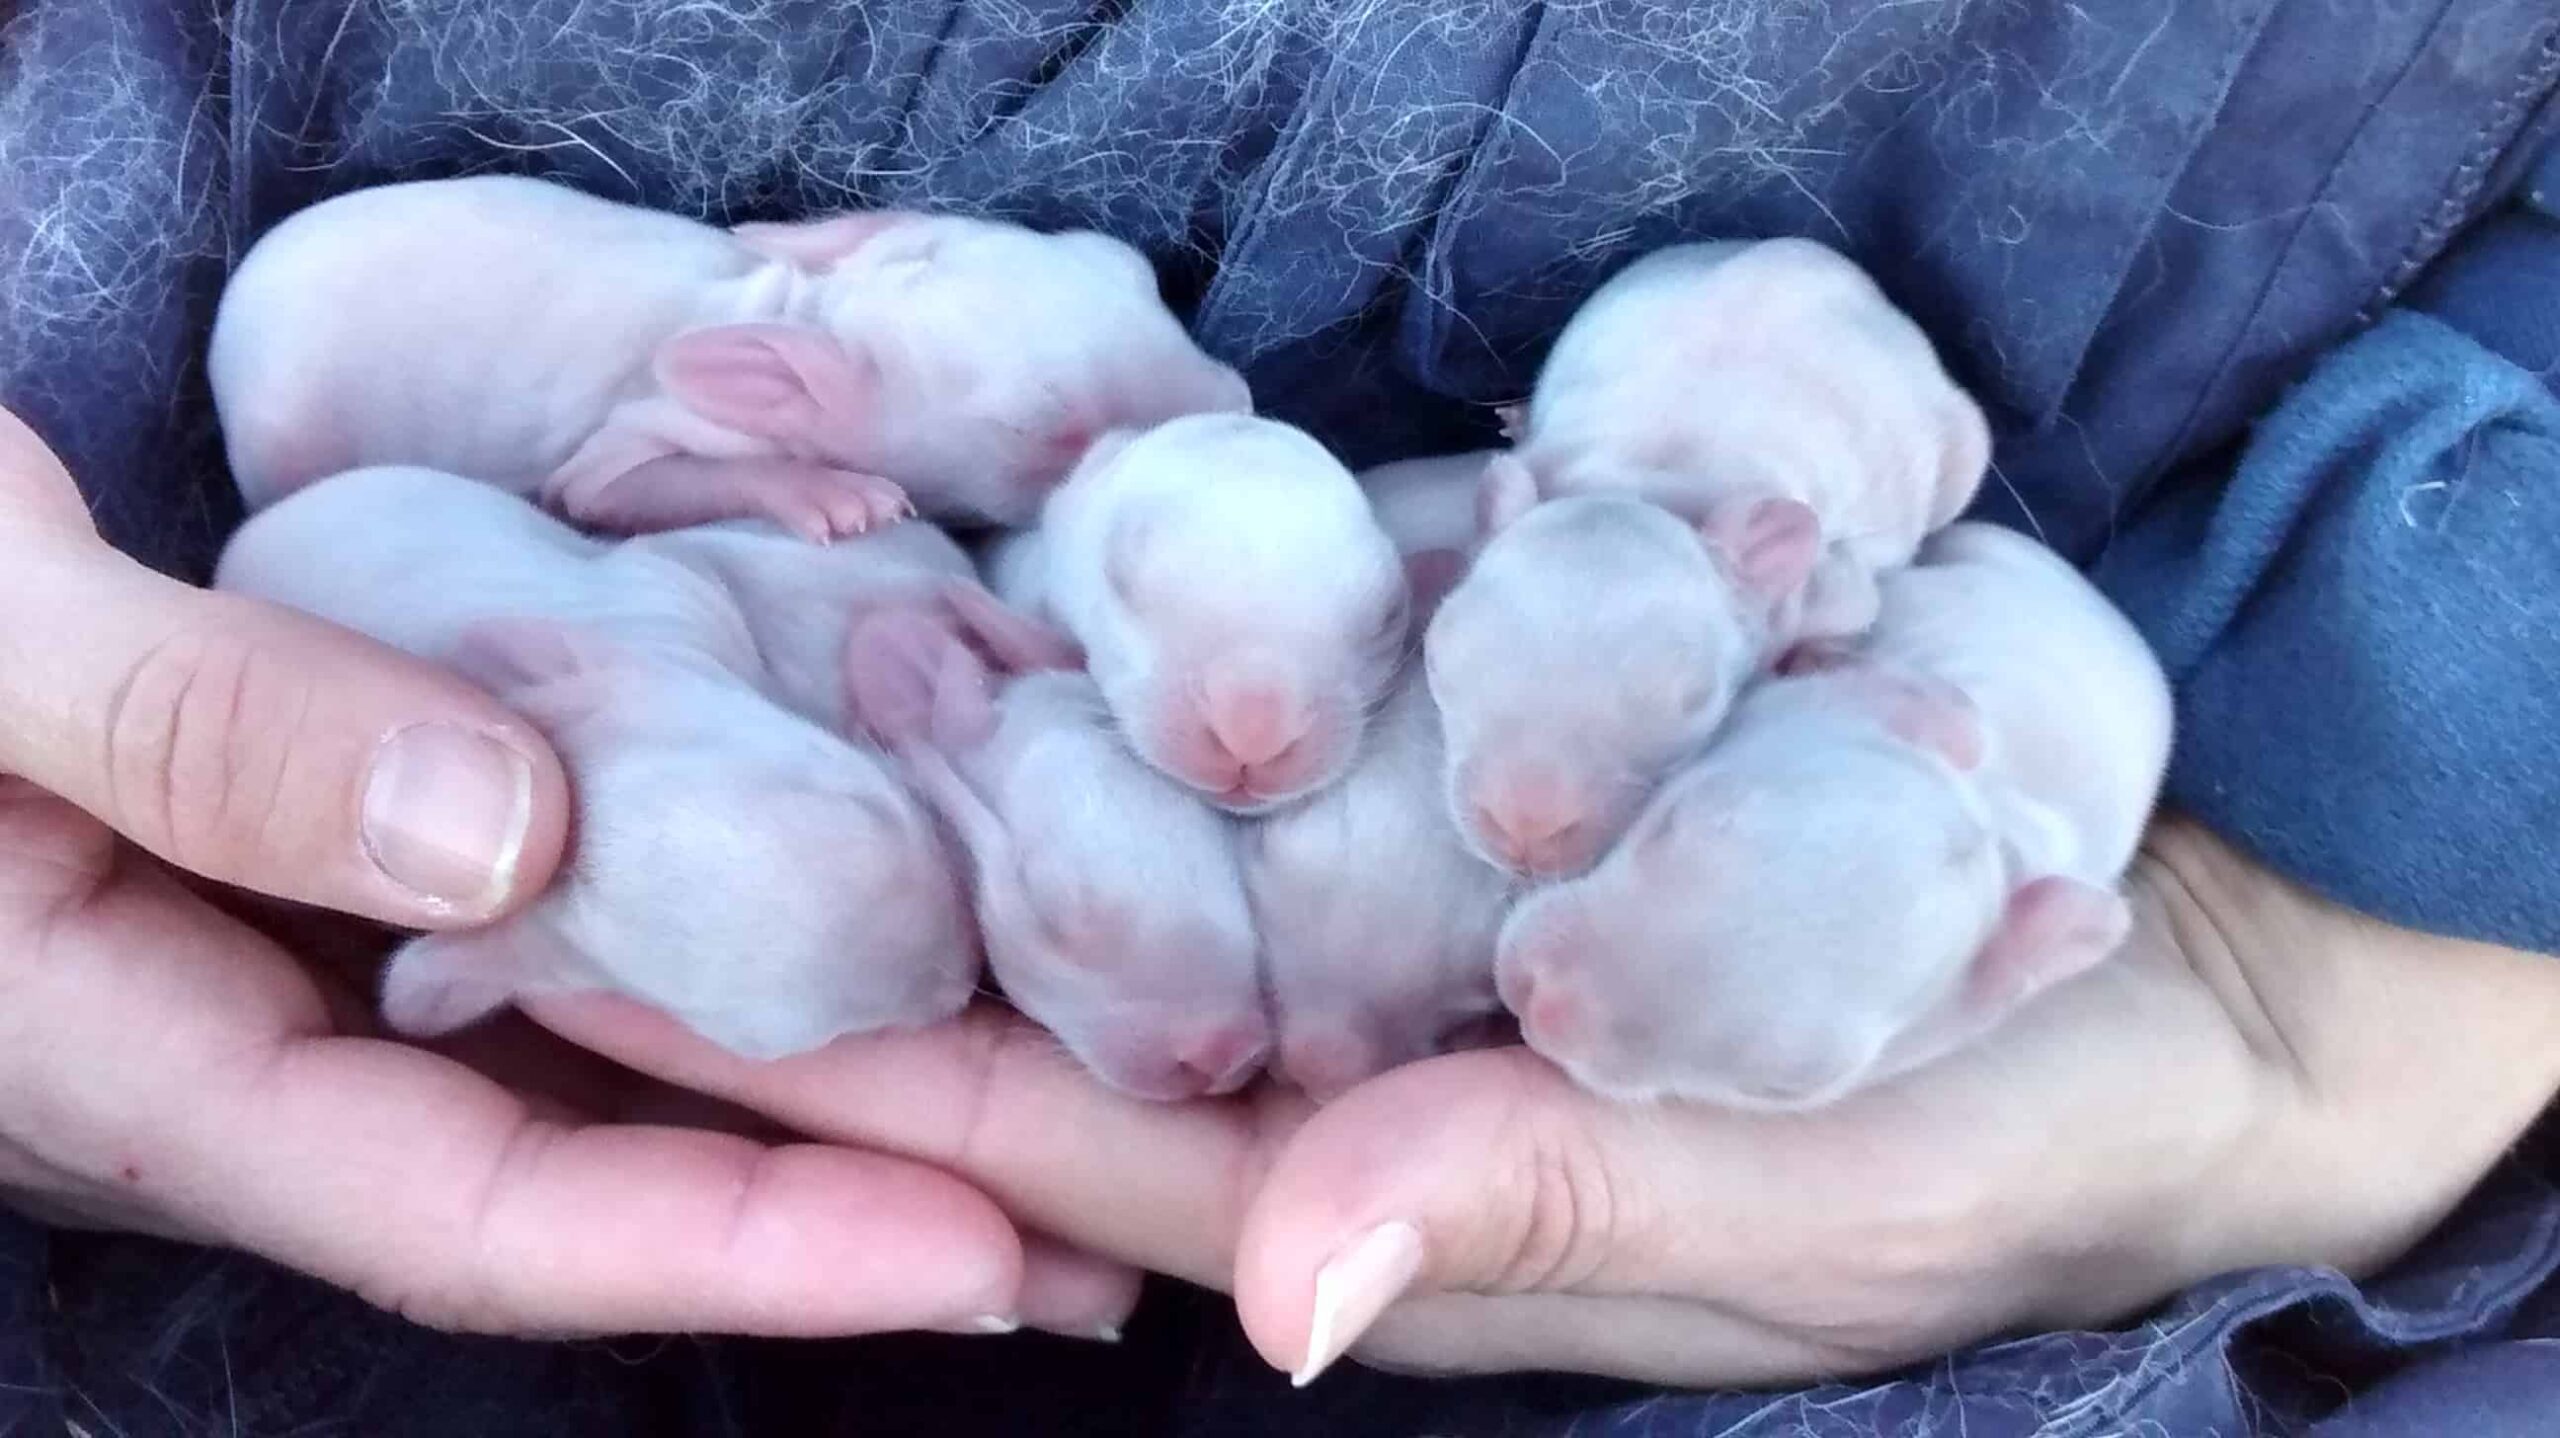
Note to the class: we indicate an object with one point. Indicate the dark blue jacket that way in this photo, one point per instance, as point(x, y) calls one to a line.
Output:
point(2189, 255)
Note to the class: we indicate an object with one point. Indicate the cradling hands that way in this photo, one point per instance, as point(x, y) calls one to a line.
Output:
point(166, 1067)
point(2247, 1082)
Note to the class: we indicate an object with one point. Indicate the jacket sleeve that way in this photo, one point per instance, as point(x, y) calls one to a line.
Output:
point(2362, 617)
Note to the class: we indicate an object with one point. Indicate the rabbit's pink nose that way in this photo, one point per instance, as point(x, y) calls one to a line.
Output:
point(1223, 1057)
point(1536, 824)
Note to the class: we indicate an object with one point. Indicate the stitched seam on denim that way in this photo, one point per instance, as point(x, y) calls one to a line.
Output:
point(1432, 284)
point(1094, 29)
point(2129, 259)
point(2284, 257)
point(1296, 136)
point(2463, 186)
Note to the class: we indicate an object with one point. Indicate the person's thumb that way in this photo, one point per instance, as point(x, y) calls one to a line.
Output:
point(1483, 1172)
point(258, 746)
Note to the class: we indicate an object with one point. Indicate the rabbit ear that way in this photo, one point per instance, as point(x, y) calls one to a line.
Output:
point(912, 681)
point(1016, 641)
point(2052, 929)
point(1921, 710)
point(1506, 490)
point(1934, 715)
point(553, 673)
point(1430, 574)
point(819, 243)
point(1770, 544)
point(771, 381)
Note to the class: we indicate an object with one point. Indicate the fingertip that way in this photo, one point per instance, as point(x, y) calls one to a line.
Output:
point(35, 488)
point(845, 1241)
point(1404, 1186)
point(1076, 1294)
point(638, 1229)
point(257, 745)
point(460, 807)
point(466, 821)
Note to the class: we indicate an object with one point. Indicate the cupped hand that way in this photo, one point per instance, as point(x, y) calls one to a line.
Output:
point(166, 1067)
point(2257, 1078)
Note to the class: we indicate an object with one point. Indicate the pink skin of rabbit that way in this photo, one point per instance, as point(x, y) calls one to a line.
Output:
point(1108, 895)
point(762, 880)
point(1596, 641)
point(1712, 377)
point(1769, 398)
point(1238, 604)
point(801, 600)
point(1378, 925)
point(638, 370)
point(1889, 850)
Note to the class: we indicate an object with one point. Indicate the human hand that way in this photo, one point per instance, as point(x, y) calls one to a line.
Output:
point(166, 1067)
point(2258, 1078)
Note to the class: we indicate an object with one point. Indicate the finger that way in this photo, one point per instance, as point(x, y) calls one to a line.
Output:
point(55, 1196)
point(1664, 1341)
point(470, 1213)
point(37, 496)
point(989, 1097)
point(1489, 1172)
point(168, 1055)
point(265, 748)
point(1069, 1291)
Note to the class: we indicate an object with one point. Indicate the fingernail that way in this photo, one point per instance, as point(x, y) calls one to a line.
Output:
point(1099, 1333)
point(989, 1323)
point(1353, 1288)
point(445, 815)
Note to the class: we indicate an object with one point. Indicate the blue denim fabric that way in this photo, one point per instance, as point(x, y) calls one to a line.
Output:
point(2364, 634)
point(2136, 228)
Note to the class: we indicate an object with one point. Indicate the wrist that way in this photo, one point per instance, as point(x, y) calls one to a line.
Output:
point(2396, 1067)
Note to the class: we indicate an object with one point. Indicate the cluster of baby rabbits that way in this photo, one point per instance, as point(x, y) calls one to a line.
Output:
point(1691, 730)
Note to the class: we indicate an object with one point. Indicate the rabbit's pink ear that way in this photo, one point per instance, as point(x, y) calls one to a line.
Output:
point(1922, 710)
point(2053, 929)
point(552, 673)
point(1017, 642)
point(913, 682)
point(1506, 490)
point(1771, 544)
point(1430, 574)
point(818, 243)
point(771, 381)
